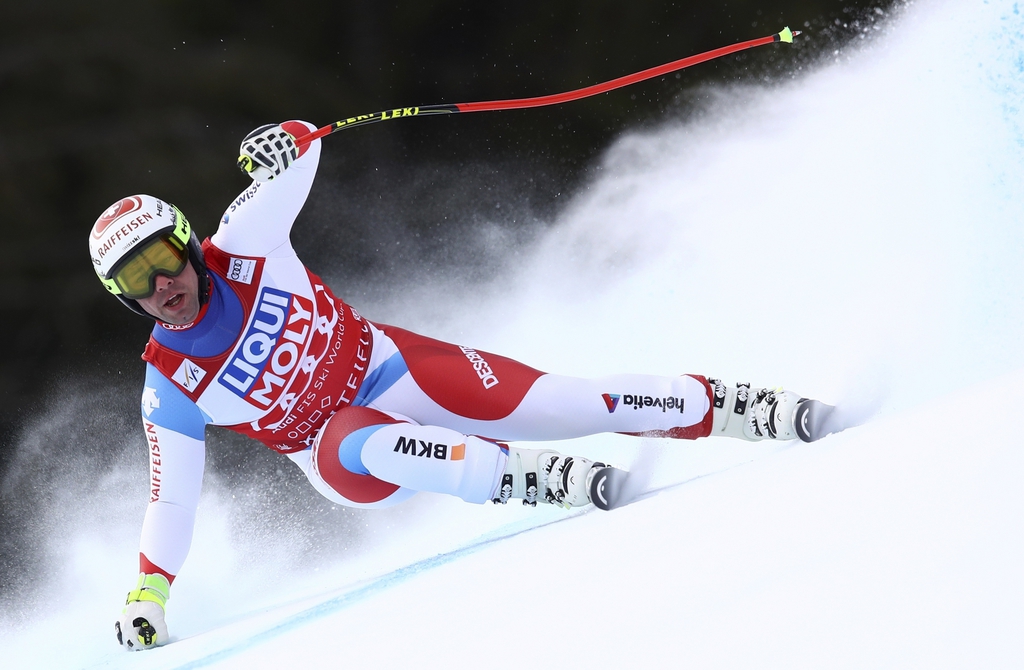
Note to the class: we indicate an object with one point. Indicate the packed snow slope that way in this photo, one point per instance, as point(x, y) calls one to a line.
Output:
point(855, 235)
point(894, 545)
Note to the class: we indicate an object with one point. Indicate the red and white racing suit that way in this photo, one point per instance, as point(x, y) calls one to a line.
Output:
point(275, 355)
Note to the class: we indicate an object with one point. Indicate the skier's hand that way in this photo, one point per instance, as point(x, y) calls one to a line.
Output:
point(141, 625)
point(267, 152)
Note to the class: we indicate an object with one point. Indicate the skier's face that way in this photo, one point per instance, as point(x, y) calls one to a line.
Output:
point(176, 299)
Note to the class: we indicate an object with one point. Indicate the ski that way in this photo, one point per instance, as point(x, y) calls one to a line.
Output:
point(607, 487)
point(812, 420)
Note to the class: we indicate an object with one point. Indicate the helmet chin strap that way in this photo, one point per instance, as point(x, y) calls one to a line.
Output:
point(204, 283)
point(198, 261)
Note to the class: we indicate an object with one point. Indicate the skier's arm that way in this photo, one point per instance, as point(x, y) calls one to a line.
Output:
point(260, 219)
point(176, 463)
point(174, 428)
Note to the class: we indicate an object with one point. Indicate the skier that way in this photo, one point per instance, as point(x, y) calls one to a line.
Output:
point(246, 337)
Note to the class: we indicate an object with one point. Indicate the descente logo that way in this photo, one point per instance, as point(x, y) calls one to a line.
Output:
point(480, 366)
point(414, 447)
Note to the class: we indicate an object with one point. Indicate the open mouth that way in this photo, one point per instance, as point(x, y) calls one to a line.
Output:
point(174, 300)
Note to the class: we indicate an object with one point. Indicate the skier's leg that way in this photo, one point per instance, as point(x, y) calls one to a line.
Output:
point(333, 471)
point(481, 393)
point(367, 458)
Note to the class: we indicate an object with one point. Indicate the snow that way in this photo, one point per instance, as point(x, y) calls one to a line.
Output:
point(853, 235)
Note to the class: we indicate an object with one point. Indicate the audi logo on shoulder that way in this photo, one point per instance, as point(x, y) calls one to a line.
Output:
point(241, 270)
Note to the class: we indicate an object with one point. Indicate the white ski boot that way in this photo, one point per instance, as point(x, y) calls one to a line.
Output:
point(536, 475)
point(761, 413)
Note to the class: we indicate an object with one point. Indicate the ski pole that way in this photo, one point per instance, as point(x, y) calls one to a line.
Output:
point(786, 35)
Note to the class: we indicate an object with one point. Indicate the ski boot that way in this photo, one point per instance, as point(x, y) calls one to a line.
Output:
point(535, 475)
point(759, 413)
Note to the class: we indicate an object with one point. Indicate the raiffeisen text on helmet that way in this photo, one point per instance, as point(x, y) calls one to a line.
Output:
point(124, 235)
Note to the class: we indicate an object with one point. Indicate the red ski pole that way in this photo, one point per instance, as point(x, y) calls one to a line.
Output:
point(786, 35)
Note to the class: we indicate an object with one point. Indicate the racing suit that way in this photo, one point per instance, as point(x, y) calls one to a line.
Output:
point(275, 355)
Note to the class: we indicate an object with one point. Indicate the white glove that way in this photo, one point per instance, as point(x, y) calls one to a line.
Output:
point(267, 152)
point(141, 625)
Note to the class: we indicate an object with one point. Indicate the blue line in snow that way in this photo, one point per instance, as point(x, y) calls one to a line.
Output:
point(379, 584)
point(400, 575)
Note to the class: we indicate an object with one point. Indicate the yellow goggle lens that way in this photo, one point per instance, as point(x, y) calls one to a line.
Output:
point(163, 256)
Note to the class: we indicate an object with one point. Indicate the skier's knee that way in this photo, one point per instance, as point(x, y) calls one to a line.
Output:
point(336, 468)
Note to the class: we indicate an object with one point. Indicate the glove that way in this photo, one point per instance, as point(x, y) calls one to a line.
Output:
point(267, 152)
point(141, 625)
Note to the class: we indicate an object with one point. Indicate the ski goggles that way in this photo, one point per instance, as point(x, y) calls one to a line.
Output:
point(165, 255)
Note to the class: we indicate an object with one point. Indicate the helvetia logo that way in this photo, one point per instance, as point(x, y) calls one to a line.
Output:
point(644, 401)
point(611, 400)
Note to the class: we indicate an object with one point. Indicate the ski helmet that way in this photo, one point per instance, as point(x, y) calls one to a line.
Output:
point(139, 237)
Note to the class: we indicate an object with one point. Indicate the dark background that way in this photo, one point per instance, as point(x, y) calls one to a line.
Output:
point(108, 98)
